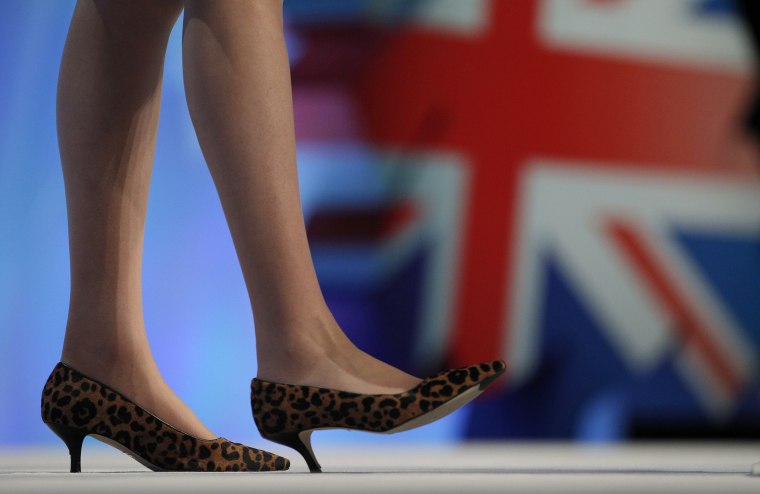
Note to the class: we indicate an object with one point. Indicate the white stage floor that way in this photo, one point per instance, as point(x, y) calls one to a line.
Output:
point(716, 468)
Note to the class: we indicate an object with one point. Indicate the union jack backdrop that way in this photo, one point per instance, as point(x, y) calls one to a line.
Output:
point(563, 183)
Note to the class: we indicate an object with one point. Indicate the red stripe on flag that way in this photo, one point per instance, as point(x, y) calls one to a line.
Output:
point(691, 330)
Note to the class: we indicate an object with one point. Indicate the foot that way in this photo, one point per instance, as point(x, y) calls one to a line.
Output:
point(327, 358)
point(139, 380)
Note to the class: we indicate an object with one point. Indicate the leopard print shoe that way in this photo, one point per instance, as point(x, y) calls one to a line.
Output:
point(287, 414)
point(75, 406)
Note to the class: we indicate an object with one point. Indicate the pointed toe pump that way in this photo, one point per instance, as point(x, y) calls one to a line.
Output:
point(287, 414)
point(75, 406)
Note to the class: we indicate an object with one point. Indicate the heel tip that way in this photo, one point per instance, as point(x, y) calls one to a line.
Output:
point(73, 438)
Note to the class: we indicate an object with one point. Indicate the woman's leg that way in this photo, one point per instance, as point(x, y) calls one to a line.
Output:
point(109, 95)
point(237, 81)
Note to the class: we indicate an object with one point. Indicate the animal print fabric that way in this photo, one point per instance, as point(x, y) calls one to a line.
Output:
point(283, 408)
point(69, 398)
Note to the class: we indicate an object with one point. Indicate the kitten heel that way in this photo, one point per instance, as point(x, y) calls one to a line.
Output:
point(301, 442)
point(73, 437)
point(70, 397)
point(288, 413)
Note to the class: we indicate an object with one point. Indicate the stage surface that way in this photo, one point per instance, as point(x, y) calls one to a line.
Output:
point(495, 467)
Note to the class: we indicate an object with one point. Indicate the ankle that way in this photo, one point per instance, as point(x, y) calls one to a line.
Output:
point(297, 352)
point(294, 359)
point(108, 352)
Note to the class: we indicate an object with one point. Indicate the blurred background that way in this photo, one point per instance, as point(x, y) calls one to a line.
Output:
point(571, 185)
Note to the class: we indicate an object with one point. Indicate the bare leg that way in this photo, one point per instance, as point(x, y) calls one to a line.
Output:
point(109, 96)
point(238, 88)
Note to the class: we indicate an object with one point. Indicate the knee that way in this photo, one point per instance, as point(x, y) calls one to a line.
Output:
point(137, 18)
point(206, 9)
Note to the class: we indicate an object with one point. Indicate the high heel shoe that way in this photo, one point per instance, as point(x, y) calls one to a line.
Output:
point(287, 414)
point(75, 406)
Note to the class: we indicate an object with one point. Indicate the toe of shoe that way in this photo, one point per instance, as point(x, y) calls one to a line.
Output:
point(487, 372)
point(281, 463)
point(498, 366)
point(273, 462)
point(258, 460)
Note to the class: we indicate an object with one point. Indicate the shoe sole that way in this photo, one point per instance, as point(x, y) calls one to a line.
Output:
point(128, 452)
point(437, 413)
